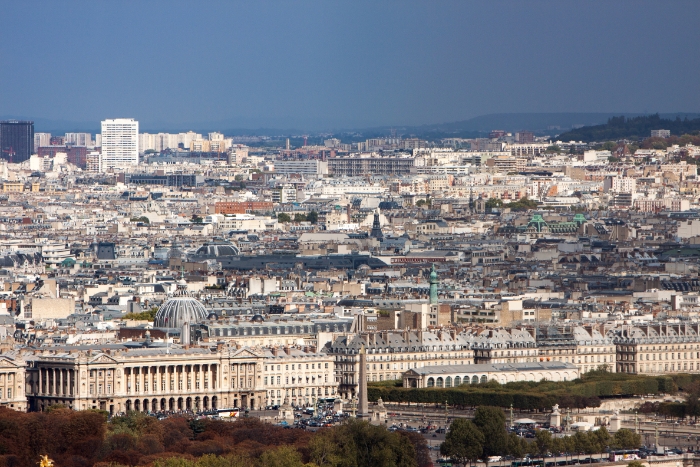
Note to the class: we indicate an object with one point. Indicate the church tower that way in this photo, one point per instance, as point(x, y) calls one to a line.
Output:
point(376, 227)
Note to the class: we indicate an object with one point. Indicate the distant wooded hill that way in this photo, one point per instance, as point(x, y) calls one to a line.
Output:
point(631, 128)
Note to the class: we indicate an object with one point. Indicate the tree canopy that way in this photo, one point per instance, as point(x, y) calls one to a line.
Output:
point(631, 128)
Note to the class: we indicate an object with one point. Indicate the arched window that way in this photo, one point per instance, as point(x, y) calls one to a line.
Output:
point(475, 379)
point(431, 382)
point(439, 382)
point(483, 379)
point(458, 381)
point(448, 382)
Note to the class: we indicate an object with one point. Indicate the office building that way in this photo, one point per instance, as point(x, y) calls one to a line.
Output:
point(120, 143)
point(16, 140)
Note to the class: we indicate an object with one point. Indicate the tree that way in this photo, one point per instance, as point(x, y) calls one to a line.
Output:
point(283, 218)
point(491, 421)
point(601, 439)
point(464, 442)
point(627, 439)
point(358, 443)
point(196, 219)
point(312, 217)
point(635, 464)
point(283, 456)
point(543, 442)
point(299, 217)
point(494, 203)
point(516, 445)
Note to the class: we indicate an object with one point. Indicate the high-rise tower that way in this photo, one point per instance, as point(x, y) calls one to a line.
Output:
point(16, 140)
point(120, 142)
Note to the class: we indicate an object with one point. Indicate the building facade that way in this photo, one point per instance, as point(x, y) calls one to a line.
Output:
point(120, 143)
point(16, 140)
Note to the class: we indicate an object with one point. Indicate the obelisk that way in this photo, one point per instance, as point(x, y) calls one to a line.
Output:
point(363, 410)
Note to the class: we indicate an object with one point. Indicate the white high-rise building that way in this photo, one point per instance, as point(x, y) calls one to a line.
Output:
point(120, 142)
point(41, 140)
point(79, 139)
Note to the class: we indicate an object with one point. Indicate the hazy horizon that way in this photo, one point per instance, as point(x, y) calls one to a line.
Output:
point(315, 65)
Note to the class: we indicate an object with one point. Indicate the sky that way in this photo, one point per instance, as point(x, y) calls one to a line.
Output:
point(343, 64)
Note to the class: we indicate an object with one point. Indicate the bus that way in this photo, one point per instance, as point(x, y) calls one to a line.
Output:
point(229, 413)
point(627, 455)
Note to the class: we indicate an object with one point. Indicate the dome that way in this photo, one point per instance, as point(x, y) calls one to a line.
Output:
point(180, 310)
point(257, 319)
point(213, 316)
point(218, 249)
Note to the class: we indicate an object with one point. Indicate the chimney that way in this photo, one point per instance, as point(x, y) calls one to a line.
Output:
point(275, 351)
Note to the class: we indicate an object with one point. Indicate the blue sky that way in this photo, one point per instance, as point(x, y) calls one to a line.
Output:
point(331, 64)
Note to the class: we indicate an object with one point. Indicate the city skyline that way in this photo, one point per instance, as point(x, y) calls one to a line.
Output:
point(319, 66)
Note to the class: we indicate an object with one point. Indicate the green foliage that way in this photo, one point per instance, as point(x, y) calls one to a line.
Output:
point(149, 315)
point(299, 217)
point(464, 442)
point(53, 407)
point(357, 444)
point(491, 421)
point(283, 218)
point(494, 203)
point(630, 128)
point(543, 442)
point(142, 219)
point(626, 439)
point(196, 219)
point(528, 395)
point(553, 148)
point(283, 456)
point(312, 217)
point(523, 204)
point(635, 464)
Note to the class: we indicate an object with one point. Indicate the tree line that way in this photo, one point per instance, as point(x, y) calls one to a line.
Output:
point(528, 395)
point(87, 438)
point(631, 128)
point(485, 436)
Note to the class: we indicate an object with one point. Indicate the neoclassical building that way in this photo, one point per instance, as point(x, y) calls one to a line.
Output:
point(390, 353)
point(119, 379)
point(657, 348)
point(447, 376)
point(12, 377)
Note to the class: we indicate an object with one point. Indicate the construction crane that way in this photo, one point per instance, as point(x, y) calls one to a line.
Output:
point(10, 153)
point(306, 137)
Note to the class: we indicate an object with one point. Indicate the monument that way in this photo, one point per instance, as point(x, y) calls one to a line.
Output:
point(555, 416)
point(362, 410)
point(286, 411)
point(379, 412)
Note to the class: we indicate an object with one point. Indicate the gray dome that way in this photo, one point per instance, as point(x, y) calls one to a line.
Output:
point(217, 249)
point(180, 310)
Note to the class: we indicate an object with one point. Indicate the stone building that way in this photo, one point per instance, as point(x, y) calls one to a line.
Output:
point(390, 354)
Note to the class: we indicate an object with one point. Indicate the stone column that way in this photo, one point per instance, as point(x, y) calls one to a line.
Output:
point(41, 381)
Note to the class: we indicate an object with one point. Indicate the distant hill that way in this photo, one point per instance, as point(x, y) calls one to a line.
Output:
point(634, 128)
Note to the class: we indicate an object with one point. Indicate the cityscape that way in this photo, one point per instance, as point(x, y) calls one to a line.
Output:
point(516, 288)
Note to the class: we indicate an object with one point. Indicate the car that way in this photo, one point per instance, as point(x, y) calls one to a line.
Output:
point(440, 430)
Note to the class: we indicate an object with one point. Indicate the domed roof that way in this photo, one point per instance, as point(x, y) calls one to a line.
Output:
point(257, 319)
point(180, 310)
point(217, 249)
